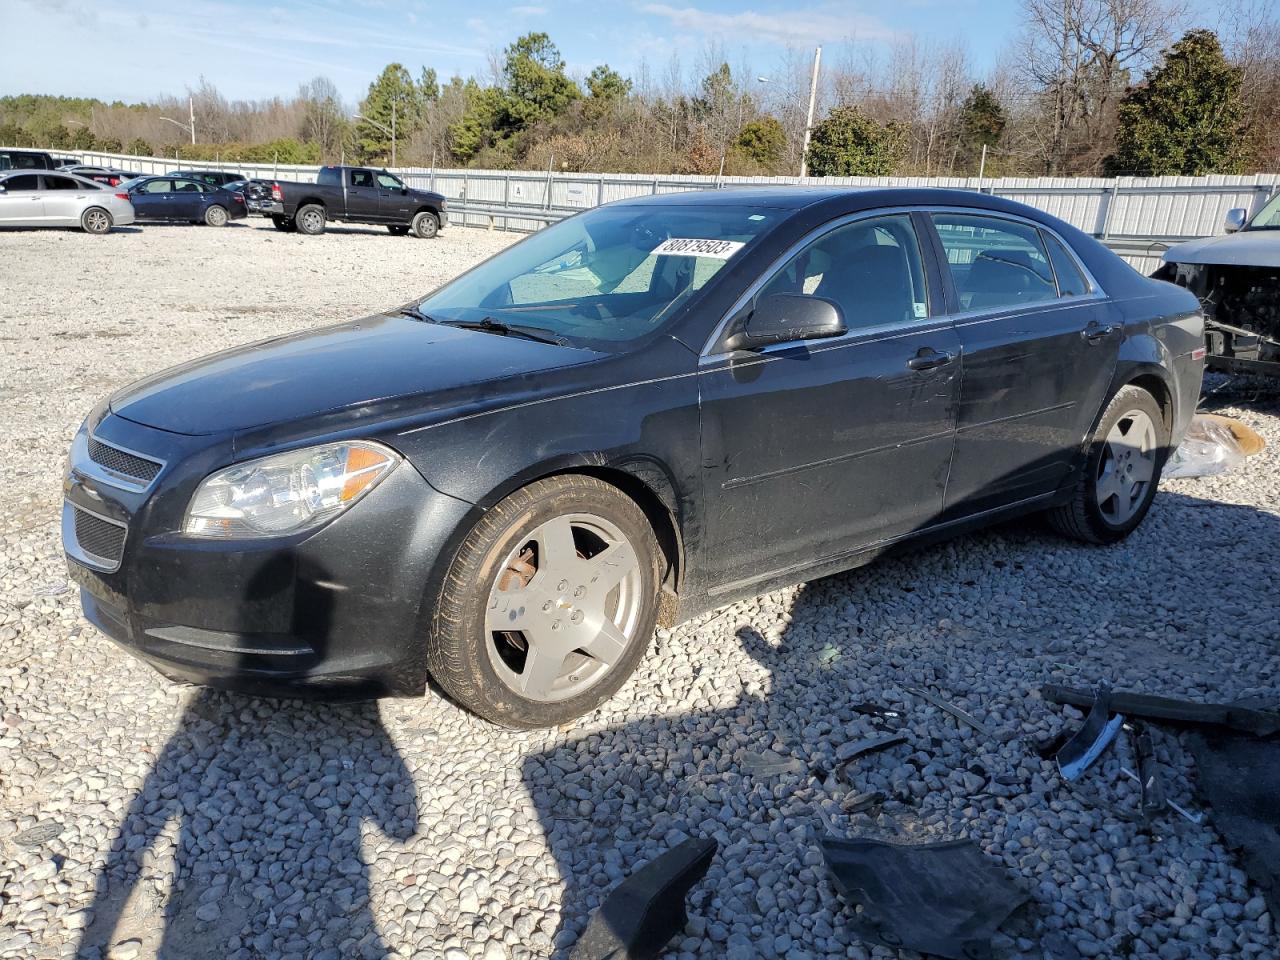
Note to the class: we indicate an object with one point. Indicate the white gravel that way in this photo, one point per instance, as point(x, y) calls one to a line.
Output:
point(198, 824)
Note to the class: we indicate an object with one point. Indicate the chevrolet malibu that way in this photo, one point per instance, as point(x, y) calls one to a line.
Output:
point(632, 417)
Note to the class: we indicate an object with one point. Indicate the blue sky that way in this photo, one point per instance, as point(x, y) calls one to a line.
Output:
point(139, 49)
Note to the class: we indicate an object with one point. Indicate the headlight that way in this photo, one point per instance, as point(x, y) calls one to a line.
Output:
point(286, 493)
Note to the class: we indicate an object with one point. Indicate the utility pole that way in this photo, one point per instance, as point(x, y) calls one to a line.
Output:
point(191, 107)
point(808, 123)
point(393, 133)
point(982, 165)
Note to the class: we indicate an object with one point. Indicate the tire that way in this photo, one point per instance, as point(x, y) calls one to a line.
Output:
point(283, 224)
point(1121, 473)
point(310, 219)
point(96, 220)
point(216, 216)
point(517, 568)
point(425, 225)
point(397, 231)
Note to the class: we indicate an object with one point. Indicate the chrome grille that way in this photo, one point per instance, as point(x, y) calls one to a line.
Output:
point(98, 537)
point(122, 462)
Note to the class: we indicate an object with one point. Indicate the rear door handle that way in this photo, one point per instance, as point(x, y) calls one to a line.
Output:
point(1094, 333)
point(928, 359)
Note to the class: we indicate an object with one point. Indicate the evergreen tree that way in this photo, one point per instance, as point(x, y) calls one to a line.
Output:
point(848, 143)
point(536, 85)
point(982, 123)
point(394, 89)
point(763, 141)
point(1186, 119)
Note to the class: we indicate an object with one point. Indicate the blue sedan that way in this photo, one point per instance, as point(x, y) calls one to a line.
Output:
point(184, 199)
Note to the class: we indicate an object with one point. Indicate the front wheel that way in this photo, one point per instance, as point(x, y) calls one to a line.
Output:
point(96, 220)
point(549, 604)
point(425, 225)
point(216, 216)
point(1121, 472)
point(310, 219)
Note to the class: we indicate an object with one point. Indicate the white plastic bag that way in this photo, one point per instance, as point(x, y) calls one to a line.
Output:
point(1213, 445)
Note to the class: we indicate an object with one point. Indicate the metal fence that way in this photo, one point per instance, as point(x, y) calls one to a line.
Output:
point(1136, 216)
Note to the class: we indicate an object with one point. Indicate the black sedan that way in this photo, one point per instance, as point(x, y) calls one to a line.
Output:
point(191, 201)
point(634, 416)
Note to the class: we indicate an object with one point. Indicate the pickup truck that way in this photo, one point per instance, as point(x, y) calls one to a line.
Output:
point(354, 195)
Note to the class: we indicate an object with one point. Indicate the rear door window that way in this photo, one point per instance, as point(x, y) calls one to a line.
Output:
point(362, 178)
point(995, 263)
point(61, 183)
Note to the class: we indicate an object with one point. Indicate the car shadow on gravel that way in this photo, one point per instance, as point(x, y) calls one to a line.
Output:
point(756, 763)
point(244, 841)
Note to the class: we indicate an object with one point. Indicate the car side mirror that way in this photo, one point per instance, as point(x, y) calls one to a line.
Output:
point(788, 317)
point(404, 191)
point(1236, 220)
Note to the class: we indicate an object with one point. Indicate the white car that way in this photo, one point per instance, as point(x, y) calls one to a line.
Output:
point(44, 198)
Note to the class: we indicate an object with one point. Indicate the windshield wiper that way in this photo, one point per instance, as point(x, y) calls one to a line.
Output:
point(415, 313)
point(490, 325)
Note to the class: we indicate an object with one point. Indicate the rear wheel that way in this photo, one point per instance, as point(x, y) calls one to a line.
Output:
point(549, 604)
point(216, 216)
point(310, 219)
point(1114, 491)
point(425, 225)
point(397, 230)
point(95, 220)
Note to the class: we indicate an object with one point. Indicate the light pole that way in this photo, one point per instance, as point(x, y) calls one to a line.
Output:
point(808, 123)
point(190, 128)
point(391, 132)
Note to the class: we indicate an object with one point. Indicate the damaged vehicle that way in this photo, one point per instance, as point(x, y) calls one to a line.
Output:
point(644, 412)
point(1237, 278)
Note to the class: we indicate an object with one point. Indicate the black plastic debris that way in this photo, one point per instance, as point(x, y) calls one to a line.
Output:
point(946, 899)
point(768, 763)
point(1153, 798)
point(1261, 722)
point(1239, 778)
point(1088, 743)
point(952, 709)
point(647, 909)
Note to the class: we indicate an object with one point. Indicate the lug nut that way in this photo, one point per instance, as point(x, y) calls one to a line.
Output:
point(577, 616)
point(577, 594)
point(563, 586)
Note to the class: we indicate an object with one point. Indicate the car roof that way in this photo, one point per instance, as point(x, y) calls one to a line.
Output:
point(842, 197)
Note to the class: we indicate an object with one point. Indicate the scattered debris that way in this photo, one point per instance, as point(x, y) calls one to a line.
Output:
point(39, 835)
point(1239, 777)
point(1196, 818)
point(857, 748)
point(946, 899)
point(767, 763)
point(1213, 444)
point(950, 708)
point(828, 655)
point(1153, 798)
point(647, 909)
point(863, 801)
point(1241, 717)
point(1087, 744)
point(876, 710)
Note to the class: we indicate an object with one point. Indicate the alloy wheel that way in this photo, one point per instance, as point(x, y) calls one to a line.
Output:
point(564, 608)
point(97, 221)
point(1127, 466)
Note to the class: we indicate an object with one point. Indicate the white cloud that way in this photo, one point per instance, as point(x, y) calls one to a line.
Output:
point(792, 26)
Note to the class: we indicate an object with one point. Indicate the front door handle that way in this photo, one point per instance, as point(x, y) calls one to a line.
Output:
point(928, 359)
point(1094, 333)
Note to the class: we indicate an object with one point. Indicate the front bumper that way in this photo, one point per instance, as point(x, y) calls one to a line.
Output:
point(335, 611)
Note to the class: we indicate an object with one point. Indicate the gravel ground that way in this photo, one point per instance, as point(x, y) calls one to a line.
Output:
point(142, 819)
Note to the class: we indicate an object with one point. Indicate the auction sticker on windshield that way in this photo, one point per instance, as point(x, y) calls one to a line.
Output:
point(715, 249)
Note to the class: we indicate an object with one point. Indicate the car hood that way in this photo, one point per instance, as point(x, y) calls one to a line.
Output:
point(358, 366)
point(1248, 248)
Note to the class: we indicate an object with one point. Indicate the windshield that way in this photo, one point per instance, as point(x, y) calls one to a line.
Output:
point(1268, 217)
point(604, 277)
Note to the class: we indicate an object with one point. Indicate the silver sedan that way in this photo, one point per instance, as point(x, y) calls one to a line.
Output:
point(44, 198)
